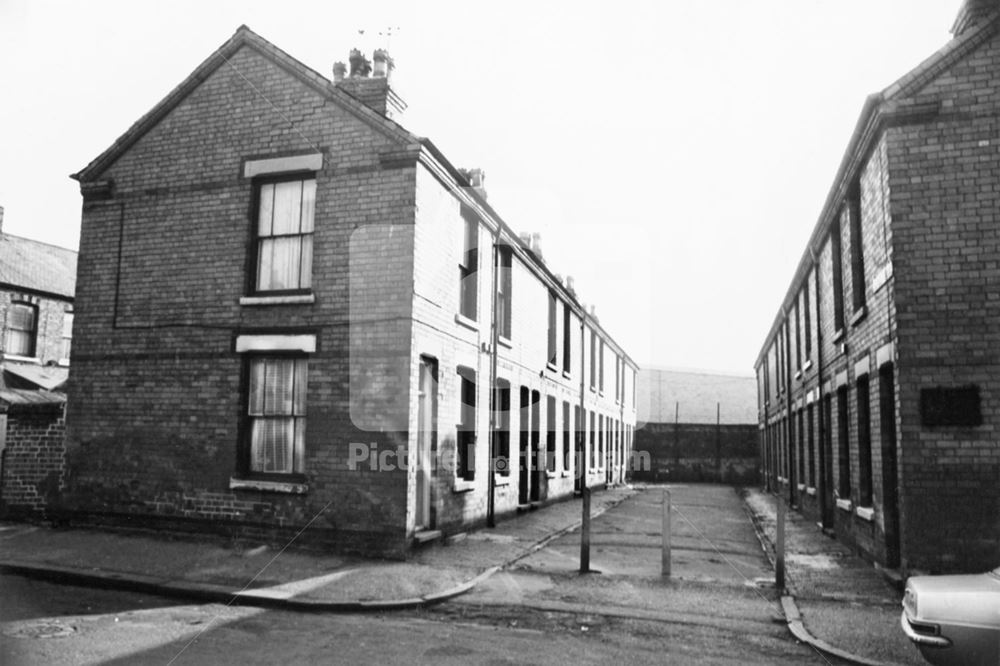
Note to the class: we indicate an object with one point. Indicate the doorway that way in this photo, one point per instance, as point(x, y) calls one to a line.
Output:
point(426, 442)
point(890, 488)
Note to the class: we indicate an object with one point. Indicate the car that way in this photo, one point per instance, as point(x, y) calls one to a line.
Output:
point(954, 619)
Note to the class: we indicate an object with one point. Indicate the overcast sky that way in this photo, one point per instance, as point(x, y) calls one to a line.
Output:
point(674, 155)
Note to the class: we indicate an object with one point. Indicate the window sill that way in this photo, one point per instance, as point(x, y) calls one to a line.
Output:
point(838, 335)
point(811, 491)
point(290, 299)
point(859, 316)
point(501, 480)
point(269, 486)
point(63, 363)
point(866, 513)
point(551, 367)
point(564, 474)
point(23, 359)
point(550, 475)
point(463, 486)
point(466, 322)
point(566, 374)
point(505, 342)
point(807, 366)
point(844, 505)
point(800, 486)
point(798, 374)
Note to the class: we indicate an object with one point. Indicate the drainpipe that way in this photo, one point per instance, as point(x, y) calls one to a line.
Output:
point(494, 344)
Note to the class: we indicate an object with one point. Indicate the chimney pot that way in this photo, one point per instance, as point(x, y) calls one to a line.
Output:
point(536, 245)
point(339, 72)
point(360, 67)
point(383, 64)
point(973, 13)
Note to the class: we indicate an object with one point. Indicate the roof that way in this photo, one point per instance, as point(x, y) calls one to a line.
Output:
point(694, 396)
point(47, 377)
point(879, 110)
point(35, 266)
point(24, 397)
point(245, 37)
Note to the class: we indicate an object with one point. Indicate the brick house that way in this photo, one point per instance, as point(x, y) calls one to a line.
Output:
point(36, 317)
point(879, 381)
point(696, 426)
point(294, 314)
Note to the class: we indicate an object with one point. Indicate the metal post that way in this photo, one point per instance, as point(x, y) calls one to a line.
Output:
point(779, 555)
point(585, 533)
point(665, 564)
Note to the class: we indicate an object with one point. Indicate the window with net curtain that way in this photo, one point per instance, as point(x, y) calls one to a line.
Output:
point(285, 212)
point(19, 336)
point(277, 413)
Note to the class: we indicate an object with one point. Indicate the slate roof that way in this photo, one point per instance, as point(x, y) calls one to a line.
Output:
point(29, 264)
point(695, 394)
point(23, 397)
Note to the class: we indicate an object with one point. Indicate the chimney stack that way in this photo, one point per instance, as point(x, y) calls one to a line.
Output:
point(1, 219)
point(974, 13)
point(536, 245)
point(373, 91)
point(476, 179)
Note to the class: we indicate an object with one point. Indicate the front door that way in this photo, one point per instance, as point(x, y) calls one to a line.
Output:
point(890, 489)
point(426, 440)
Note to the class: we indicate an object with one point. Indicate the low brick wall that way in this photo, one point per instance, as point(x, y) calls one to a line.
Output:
point(33, 459)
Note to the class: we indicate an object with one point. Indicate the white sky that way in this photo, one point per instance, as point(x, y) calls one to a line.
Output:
point(674, 155)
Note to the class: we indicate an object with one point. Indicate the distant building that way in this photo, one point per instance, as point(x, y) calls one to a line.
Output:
point(296, 316)
point(696, 426)
point(36, 315)
point(879, 380)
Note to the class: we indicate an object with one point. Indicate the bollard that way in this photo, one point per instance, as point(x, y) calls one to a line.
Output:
point(779, 554)
point(585, 533)
point(665, 564)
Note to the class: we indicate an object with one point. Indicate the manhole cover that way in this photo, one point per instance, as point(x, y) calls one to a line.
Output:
point(47, 629)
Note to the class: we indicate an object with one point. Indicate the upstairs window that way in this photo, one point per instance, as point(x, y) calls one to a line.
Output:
point(553, 358)
point(567, 338)
point(21, 329)
point(276, 409)
point(504, 260)
point(836, 255)
point(67, 335)
point(284, 235)
point(600, 370)
point(467, 270)
point(857, 245)
point(593, 360)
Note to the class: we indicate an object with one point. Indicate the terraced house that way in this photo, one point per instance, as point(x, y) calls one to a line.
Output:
point(879, 381)
point(294, 313)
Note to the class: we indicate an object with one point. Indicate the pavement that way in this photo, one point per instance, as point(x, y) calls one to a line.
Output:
point(835, 600)
point(721, 571)
point(239, 572)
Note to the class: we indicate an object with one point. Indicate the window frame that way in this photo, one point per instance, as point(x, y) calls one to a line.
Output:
point(31, 333)
point(259, 183)
point(505, 269)
point(245, 458)
point(468, 269)
point(466, 433)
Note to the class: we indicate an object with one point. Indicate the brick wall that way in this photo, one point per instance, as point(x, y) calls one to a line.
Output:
point(33, 459)
point(688, 452)
point(946, 198)
point(928, 202)
point(156, 393)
